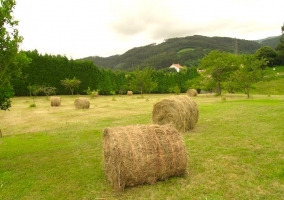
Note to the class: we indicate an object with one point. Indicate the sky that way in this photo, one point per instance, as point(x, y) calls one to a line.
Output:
point(103, 28)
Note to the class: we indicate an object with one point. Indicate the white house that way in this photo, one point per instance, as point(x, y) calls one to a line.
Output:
point(177, 67)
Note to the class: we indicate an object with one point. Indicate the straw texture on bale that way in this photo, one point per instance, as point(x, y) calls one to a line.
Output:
point(179, 111)
point(82, 103)
point(129, 93)
point(142, 154)
point(55, 101)
point(192, 92)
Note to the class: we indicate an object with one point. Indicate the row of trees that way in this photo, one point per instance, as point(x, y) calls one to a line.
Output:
point(47, 71)
point(231, 72)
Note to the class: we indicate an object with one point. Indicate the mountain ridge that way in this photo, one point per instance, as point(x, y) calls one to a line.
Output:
point(184, 50)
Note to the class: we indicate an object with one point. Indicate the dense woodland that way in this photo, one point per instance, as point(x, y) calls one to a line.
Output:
point(184, 50)
point(48, 70)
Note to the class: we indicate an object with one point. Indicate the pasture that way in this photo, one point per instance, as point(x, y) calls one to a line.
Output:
point(236, 151)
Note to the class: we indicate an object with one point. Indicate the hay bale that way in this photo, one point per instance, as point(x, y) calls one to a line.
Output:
point(96, 94)
point(140, 154)
point(180, 111)
point(192, 92)
point(55, 101)
point(82, 103)
point(129, 93)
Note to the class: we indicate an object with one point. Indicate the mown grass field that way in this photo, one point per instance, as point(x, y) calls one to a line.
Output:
point(236, 150)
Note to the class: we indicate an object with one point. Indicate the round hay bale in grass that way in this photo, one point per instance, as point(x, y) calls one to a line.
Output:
point(129, 93)
point(140, 154)
point(192, 92)
point(180, 111)
point(82, 103)
point(55, 101)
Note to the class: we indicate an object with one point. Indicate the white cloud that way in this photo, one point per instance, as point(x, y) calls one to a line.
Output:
point(90, 27)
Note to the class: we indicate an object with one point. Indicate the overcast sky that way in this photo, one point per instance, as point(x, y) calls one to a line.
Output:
point(84, 28)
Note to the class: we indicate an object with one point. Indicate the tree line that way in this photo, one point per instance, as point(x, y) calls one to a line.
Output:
point(47, 71)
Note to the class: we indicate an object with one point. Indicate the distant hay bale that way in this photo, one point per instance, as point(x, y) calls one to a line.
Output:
point(192, 92)
point(142, 154)
point(96, 94)
point(82, 103)
point(55, 101)
point(180, 111)
point(129, 93)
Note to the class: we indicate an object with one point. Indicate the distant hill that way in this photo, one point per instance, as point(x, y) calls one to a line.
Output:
point(272, 41)
point(186, 51)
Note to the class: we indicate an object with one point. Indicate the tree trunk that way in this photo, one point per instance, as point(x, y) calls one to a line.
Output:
point(247, 90)
point(0, 133)
point(219, 88)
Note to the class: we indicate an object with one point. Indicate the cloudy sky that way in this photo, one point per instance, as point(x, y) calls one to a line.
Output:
point(107, 27)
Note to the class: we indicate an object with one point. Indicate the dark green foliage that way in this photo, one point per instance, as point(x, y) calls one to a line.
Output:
point(218, 66)
point(268, 54)
point(185, 50)
point(11, 60)
point(142, 80)
point(48, 70)
point(280, 48)
point(249, 72)
point(6, 92)
point(70, 84)
point(270, 41)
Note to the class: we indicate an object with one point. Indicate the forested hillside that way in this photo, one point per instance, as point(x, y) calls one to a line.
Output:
point(270, 41)
point(185, 50)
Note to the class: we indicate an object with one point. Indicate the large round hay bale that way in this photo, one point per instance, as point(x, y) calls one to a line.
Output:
point(129, 93)
point(140, 154)
point(82, 103)
point(180, 111)
point(55, 101)
point(192, 92)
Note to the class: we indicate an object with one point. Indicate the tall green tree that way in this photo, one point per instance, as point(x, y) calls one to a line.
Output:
point(249, 72)
point(11, 60)
point(142, 80)
point(280, 48)
point(218, 65)
point(268, 53)
point(70, 84)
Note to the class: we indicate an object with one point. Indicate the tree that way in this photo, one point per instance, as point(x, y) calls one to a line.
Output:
point(249, 72)
point(70, 84)
point(142, 80)
point(218, 65)
point(268, 54)
point(280, 48)
point(11, 60)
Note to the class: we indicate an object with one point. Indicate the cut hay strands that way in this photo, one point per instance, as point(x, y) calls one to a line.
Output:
point(129, 93)
point(192, 92)
point(55, 101)
point(82, 103)
point(139, 154)
point(180, 111)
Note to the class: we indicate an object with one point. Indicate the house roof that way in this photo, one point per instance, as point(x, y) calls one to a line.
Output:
point(176, 66)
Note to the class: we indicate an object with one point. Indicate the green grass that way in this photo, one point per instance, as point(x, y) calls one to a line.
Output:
point(186, 49)
point(235, 152)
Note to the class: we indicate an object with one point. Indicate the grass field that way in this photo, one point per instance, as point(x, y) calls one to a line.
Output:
point(236, 150)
